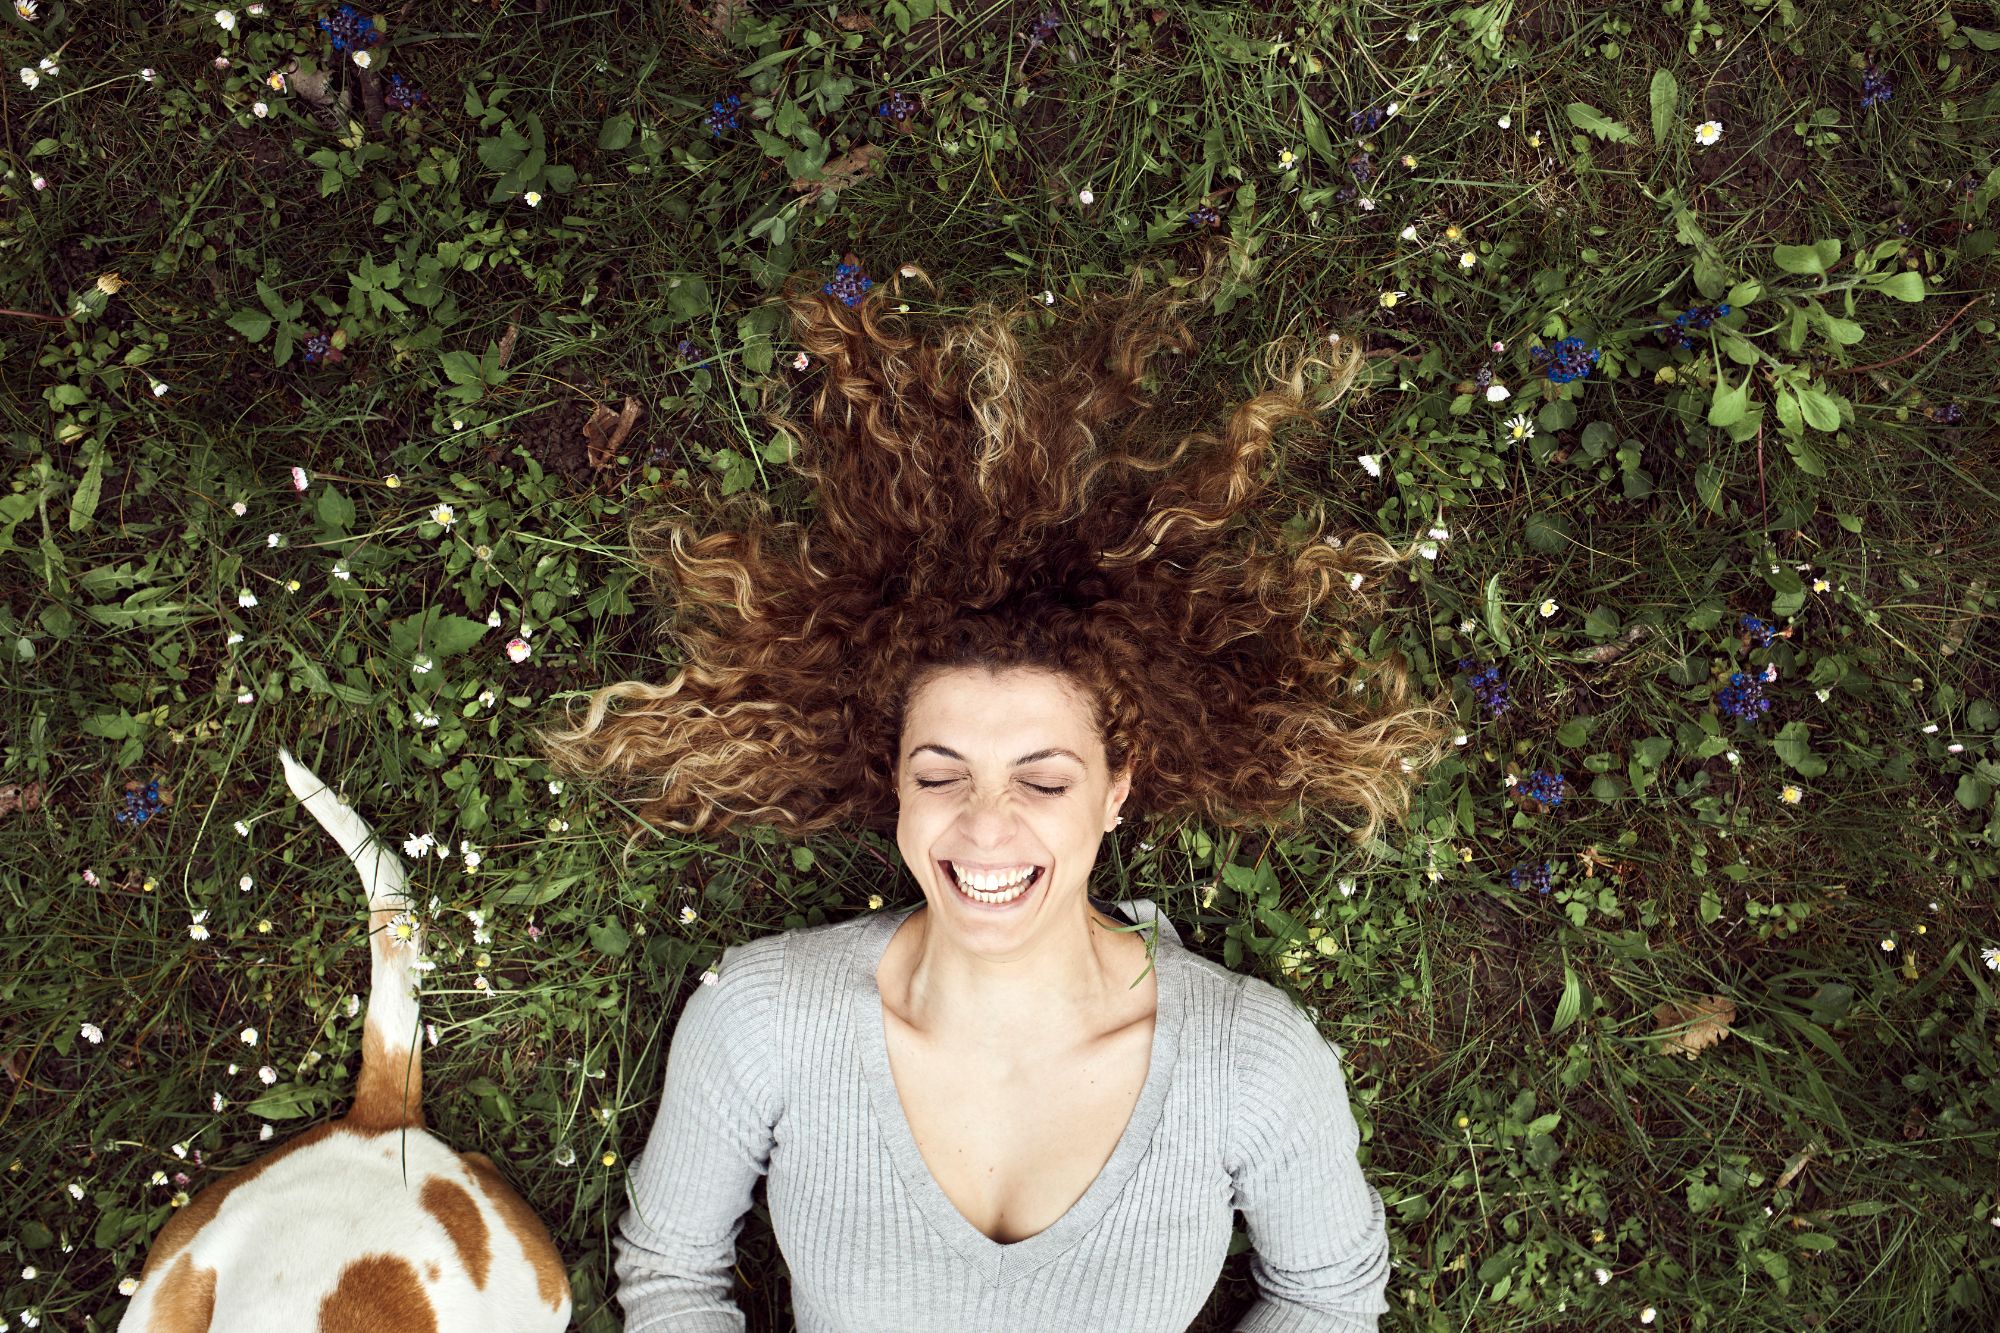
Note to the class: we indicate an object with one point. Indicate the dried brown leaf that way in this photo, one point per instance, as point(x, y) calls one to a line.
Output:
point(606, 430)
point(1691, 1027)
point(14, 796)
point(856, 164)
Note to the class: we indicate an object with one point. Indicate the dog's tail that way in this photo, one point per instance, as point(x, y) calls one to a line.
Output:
point(389, 1091)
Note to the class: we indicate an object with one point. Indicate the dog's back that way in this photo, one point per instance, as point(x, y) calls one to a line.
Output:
point(367, 1222)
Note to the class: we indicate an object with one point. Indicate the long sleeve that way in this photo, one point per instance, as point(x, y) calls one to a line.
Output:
point(689, 1191)
point(1317, 1227)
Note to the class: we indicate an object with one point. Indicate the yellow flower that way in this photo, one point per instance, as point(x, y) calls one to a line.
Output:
point(609, 1159)
point(1791, 795)
point(392, 481)
point(1452, 233)
point(1389, 299)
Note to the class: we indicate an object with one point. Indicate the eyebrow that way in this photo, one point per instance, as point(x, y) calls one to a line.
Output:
point(1036, 757)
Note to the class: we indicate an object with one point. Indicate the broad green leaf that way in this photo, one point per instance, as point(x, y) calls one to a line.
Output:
point(1730, 402)
point(1794, 745)
point(1587, 117)
point(1665, 97)
point(1811, 259)
point(615, 133)
point(1570, 1006)
point(1905, 286)
point(252, 324)
point(1496, 618)
point(1822, 412)
point(83, 503)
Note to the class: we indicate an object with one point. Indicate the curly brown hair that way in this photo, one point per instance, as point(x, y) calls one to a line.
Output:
point(977, 506)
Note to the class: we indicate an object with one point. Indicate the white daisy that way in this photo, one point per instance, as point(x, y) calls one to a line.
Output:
point(1707, 132)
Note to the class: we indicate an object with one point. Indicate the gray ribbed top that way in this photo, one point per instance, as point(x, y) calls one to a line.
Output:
point(780, 1068)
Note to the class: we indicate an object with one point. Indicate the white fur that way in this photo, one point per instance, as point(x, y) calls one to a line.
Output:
point(280, 1241)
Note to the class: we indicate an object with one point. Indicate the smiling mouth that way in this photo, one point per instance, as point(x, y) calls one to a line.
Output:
point(1019, 887)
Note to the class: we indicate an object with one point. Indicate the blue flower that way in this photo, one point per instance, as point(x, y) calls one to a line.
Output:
point(1547, 787)
point(1698, 316)
point(140, 806)
point(350, 28)
point(849, 284)
point(1876, 87)
point(897, 107)
point(1761, 632)
point(1568, 360)
point(722, 115)
point(1526, 876)
point(1743, 696)
point(400, 95)
point(1487, 685)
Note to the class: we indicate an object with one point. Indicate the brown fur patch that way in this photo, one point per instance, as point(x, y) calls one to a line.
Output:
point(458, 1214)
point(551, 1282)
point(432, 1271)
point(389, 1092)
point(200, 1210)
point(377, 1292)
point(186, 1300)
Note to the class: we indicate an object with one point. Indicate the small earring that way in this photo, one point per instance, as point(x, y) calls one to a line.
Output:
point(1120, 820)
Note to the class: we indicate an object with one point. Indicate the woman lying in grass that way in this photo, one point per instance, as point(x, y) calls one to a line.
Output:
point(1013, 1105)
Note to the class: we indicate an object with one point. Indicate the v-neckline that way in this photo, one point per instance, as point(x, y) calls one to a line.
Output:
point(996, 1261)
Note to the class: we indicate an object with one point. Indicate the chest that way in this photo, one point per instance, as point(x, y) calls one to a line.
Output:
point(1014, 1152)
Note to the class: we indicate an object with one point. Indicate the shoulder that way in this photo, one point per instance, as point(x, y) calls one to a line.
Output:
point(756, 968)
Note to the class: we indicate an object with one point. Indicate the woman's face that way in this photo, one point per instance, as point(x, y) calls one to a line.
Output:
point(967, 797)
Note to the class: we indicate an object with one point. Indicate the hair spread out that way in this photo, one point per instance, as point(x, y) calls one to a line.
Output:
point(985, 502)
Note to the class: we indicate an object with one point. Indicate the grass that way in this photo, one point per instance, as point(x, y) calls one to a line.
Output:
point(1829, 1163)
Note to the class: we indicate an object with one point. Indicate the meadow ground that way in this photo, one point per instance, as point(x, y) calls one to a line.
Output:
point(1682, 354)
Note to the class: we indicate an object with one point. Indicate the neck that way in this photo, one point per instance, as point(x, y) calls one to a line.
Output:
point(1069, 973)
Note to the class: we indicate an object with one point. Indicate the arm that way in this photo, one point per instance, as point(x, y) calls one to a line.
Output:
point(689, 1191)
point(1318, 1229)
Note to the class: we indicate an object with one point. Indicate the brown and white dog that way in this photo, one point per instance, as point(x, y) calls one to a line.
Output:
point(366, 1222)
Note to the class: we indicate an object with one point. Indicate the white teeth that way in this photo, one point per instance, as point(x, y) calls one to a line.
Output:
point(987, 888)
point(991, 883)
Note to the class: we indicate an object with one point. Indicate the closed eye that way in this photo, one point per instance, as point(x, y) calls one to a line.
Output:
point(945, 782)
